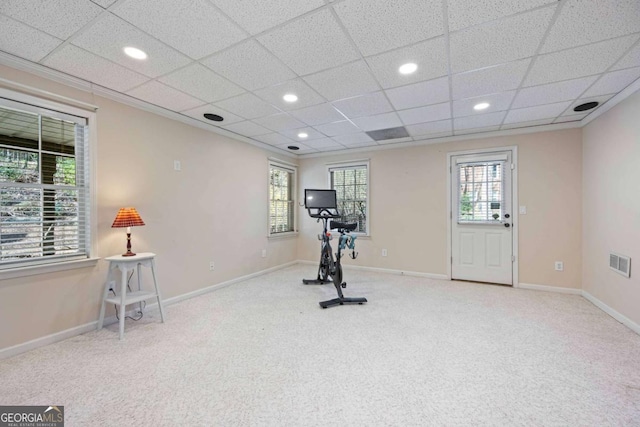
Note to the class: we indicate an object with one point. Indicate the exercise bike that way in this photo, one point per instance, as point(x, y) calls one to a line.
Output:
point(322, 204)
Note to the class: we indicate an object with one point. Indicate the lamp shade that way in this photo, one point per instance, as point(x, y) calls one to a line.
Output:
point(127, 217)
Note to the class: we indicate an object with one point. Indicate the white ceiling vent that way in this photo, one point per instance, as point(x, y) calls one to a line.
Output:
point(620, 264)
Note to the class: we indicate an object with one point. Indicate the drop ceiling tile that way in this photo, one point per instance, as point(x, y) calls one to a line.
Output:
point(489, 80)
point(478, 121)
point(463, 13)
point(273, 139)
point(343, 82)
point(582, 22)
point(256, 16)
point(194, 27)
point(238, 64)
point(432, 138)
point(104, 3)
point(578, 62)
point(419, 94)
point(354, 138)
point(200, 82)
point(365, 105)
point(429, 113)
point(532, 123)
point(57, 18)
point(380, 25)
point(631, 59)
point(318, 114)
point(306, 95)
point(344, 127)
point(302, 148)
point(198, 114)
point(539, 112)
point(311, 43)
point(572, 118)
point(499, 41)
point(613, 82)
point(496, 101)
point(324, 144)
point(552, 92)
point(247, 128)
point(599, 99)
point(379, 121)
point(311, 134)
point(93, 68)
point(438, 127)
point(21, 40)
point(109, 36)
point(164, 96)
point(248, 106)
point(476, 130)
point(430, 57)
point(354, 145)
point(279, 122)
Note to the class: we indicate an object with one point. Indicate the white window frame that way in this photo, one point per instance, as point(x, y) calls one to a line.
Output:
point(293, 169)
point(350, 165)
point(38, 104)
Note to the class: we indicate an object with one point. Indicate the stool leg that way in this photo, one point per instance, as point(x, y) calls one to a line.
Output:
point(123, 307)
point(105, 294)
point(155, 283)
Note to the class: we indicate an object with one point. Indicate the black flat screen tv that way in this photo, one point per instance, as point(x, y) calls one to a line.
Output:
point(320, 199)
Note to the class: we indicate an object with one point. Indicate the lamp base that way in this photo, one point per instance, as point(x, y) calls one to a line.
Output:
point(129, 254)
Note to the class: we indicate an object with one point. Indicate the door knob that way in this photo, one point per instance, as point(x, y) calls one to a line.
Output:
point(506, 224)
point(507, 215)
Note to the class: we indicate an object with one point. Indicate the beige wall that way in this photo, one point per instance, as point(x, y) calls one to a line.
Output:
point(214, 209)
point(408, 206)
point(611, 211)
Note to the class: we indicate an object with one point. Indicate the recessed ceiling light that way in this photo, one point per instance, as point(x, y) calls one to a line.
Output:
point(586, 106)
point(290, 97)
point(408, 68)
point(214, 117)
point(481, 106)
point(135, 52)
point(303, 135)
point(293, 147)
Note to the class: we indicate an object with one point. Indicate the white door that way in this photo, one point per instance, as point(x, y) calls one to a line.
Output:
point(481, 217)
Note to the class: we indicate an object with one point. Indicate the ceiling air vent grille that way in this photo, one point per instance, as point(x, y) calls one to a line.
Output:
point(620, 264)
point(390, 133)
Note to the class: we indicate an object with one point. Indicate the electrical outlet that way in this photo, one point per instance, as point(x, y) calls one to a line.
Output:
point(559, 266)
point(176, 165)
point(212, 266)
point(384, 252)
point(264, 253)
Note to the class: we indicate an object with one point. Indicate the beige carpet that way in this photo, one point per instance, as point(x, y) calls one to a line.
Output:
point(421, 352)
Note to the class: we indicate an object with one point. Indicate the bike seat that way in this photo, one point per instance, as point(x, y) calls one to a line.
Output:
point(342, 226)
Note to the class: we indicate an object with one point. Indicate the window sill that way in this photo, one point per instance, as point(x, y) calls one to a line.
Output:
point(288, 235)
point(33, 270)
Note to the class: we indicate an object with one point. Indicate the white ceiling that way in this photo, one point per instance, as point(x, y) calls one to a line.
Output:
point(532, 60)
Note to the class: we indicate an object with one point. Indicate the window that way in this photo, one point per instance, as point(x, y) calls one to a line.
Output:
point(44, 186)
point(282, 179)
point(480, 191)
point(351, 182)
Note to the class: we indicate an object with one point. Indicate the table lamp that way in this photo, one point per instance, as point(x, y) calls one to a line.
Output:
point(127, 217)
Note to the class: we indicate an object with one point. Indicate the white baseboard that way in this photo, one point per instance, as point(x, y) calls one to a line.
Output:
point(386, 270)
point(91, 326)
point(546, 288)
point(613, 313)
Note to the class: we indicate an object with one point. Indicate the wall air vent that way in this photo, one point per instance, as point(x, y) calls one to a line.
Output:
point(620, 264)
point(391, 133)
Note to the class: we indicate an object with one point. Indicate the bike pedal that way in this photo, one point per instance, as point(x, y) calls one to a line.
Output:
point(344, 285)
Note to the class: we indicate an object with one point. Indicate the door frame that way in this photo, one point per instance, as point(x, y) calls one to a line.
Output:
point(515, 207)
